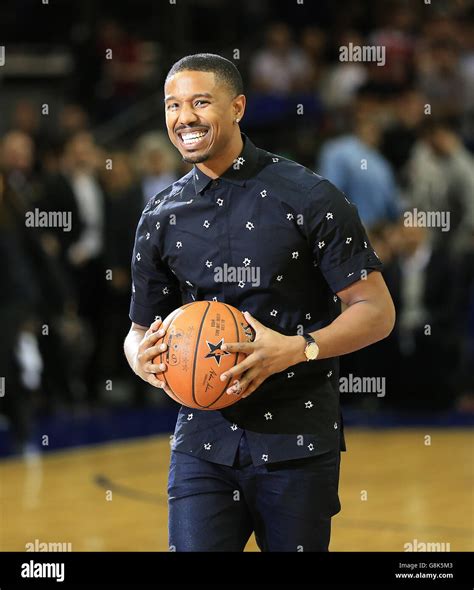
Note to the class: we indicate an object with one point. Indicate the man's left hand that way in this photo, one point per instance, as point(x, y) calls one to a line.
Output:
point(269, 353)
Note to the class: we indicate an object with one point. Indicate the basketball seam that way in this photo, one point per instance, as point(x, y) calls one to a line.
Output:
point(195, 355)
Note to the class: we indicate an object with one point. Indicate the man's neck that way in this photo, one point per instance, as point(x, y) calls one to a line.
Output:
point(218, 165)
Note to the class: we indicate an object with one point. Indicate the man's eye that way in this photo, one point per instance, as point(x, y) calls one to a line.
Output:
point(201, 102)
point(172, 107)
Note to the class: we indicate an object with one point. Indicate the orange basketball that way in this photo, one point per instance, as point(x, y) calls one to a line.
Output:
point(194, 358)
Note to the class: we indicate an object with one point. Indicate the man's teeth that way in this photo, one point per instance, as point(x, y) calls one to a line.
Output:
point(190, 138)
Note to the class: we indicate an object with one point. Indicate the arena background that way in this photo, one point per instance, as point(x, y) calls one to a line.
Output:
point(84, 444)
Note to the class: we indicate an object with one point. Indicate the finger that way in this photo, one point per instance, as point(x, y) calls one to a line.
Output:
point(154, 368)
point(245, 347)
point(151, 353)
point(152, 380)
point(240, 386)
point(256, 325)
point(248, 362)
point(154, 326)
point(149, 340)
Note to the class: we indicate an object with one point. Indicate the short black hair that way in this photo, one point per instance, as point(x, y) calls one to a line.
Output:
point(224, 70)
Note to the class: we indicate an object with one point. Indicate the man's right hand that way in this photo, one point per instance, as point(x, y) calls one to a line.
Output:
point(148, 349)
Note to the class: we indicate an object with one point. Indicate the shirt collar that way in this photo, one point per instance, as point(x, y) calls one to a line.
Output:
point(240, 171)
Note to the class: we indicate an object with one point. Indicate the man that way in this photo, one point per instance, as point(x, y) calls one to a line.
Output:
point(269, 463)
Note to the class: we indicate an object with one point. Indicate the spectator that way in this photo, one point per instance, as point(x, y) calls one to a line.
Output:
point(280, 67)
point(441, 178)
point(156, 163)
point(355, 165)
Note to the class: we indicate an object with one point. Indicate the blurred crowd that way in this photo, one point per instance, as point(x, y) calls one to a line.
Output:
point(395, 139)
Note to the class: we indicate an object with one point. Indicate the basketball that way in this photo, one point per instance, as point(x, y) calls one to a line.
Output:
point(194, 358)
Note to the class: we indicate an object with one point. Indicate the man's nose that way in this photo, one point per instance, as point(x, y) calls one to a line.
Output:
point(187, 116)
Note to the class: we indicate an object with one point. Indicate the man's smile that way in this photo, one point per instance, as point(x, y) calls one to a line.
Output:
point(193, 138)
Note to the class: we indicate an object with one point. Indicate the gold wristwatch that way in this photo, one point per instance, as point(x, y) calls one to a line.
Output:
point(311, 350)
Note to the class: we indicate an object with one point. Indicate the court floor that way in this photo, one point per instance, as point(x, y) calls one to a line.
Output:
point(397, 487)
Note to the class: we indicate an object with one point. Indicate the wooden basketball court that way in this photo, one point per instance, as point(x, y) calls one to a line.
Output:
point(395, 489)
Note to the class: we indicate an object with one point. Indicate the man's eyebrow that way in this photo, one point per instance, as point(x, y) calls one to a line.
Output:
point(205, 94)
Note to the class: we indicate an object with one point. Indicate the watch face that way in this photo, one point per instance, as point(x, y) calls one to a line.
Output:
point(311, 351)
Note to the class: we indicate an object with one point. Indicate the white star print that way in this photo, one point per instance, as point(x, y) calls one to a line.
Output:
point(238, 162)
point(165, 291)
point(220, 202)
point(311, 447)
point(365, 244)
point(335, 298)
point(268, 416)
point(308, 404)
point(329, 215)
point(249, 225)
point(273, 313)
point(138, 256)
point(208, 263)
point(214, 299)
point(206, 224)
point(335, 425)
point(321, 245)
point(233, 427)
point(295, 254)
point(265, 457)
point(348, 240)
point(157, 225)
point(189, 283)
point(246, 261)
point(133, 288)
point(279, 277)
point(158, 201)
point(179, 244)
point(263, 193)
point(329, 374)
point(190, 416)
point(289, 216)
point(275, 159)
point(147, 237)
point(308, 316)
point(290, 375)
point(207, 446)
point(241, 284)
point(157, 317)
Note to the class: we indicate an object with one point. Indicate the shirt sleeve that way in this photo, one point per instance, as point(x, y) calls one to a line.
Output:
point(155, 290)
point(339, 243)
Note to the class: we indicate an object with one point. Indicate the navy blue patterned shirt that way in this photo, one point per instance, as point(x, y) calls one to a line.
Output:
point(271, 237)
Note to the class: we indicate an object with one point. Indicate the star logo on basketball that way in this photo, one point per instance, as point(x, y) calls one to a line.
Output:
point(215, 351)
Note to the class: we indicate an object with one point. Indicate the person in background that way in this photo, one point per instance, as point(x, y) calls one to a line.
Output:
point(353, 162)
point(156, 164)
point(280, 67)
point(441, 178)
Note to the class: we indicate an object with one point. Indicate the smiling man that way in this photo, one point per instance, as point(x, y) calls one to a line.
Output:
point(269, 464)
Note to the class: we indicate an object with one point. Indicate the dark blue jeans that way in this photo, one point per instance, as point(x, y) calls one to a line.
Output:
point(288, 505)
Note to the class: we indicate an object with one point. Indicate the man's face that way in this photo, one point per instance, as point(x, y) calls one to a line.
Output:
point(200, 114)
